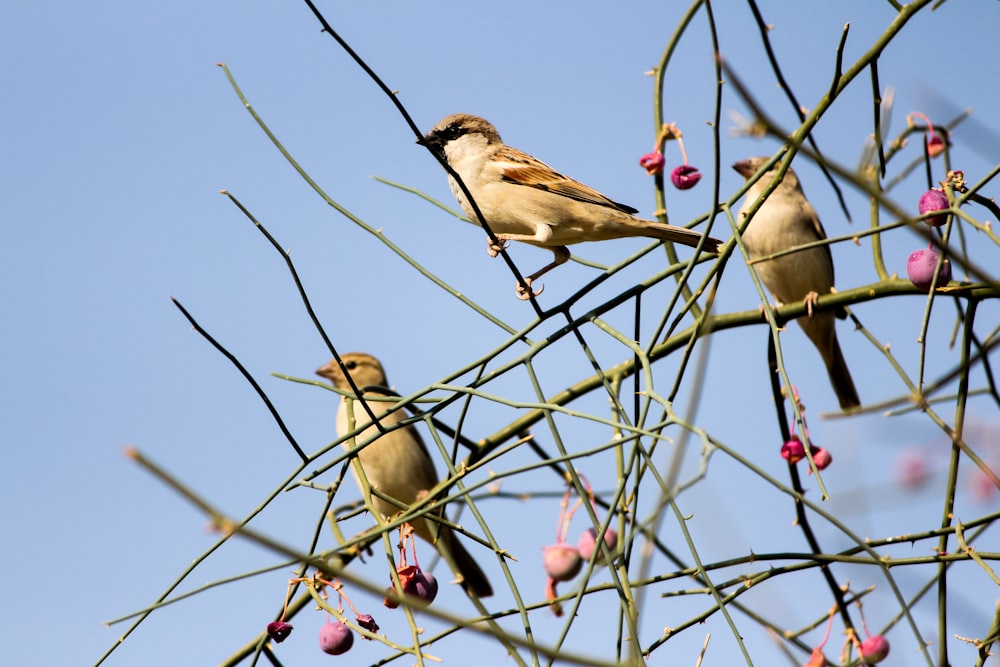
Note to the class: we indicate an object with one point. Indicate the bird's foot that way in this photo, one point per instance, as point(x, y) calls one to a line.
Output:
point(525, 295)
point(762, 309)
point(811, 299)
point(495, 249)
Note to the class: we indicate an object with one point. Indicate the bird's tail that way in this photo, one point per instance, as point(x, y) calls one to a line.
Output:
point(681, 235)
point(821, 329)
point(474, 580)
point(840, 377)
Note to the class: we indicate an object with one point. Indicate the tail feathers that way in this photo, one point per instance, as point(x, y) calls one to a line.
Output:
point(681, 235)
point(461, 562)
point(840, 378)
point(474, 580)
point(822, 331)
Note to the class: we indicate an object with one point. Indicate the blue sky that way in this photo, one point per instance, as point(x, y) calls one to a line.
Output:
point(120, 132)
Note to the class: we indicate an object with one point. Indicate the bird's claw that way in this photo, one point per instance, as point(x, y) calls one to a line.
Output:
point(762, 309)
point(524, 295)
point(494, 249)
point(812, 298)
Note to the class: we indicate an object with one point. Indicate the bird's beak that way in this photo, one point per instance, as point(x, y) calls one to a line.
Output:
point(743, 168)
point(431, 140)
point(433, 144)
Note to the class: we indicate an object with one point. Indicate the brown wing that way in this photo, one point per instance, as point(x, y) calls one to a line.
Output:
point(523, 169)
point(811, 219)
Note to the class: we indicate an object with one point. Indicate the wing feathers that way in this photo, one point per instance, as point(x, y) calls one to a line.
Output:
point(523, 169)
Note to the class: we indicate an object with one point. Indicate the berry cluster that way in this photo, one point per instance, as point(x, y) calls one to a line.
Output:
point(563, 561)
point(922, 266)
point(336, 636)
point(684, 177)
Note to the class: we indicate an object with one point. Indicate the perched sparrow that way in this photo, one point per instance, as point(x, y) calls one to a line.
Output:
point(524, 199)
point(398, 464)
point(786, 220)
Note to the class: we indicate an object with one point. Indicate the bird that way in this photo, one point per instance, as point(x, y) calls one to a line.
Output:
point(398, 463)
point(785, 220)
point(524, 199)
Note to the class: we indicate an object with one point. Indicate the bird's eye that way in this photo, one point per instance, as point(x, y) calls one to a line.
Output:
point(350, 365)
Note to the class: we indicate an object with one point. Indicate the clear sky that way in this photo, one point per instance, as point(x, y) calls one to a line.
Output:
point(119, 132)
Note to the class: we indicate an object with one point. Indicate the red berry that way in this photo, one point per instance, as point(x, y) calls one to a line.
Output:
point(551, 595)
point(874, 649)
point(935, 145)
point(335, 638)
point(920, 269)
point(793, 451)
point(685, 177)
point(652, 163)
point(817, 659)
point(934, 200)
point(588, 543)
point(367, 622)
point(562, 561)
point(279, 630)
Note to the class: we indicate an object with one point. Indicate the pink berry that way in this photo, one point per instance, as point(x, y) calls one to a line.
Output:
point(562, 561)
point(652, 163)
point(423, 585)
point(874, 649)
point(588, 543)
point(920, 269)
point(911, 469)
point(982, 487)
point(415, 582)
point(335, 638)
point(821, 458)
point(279, 630)
point(934, 200)
point(685, 177)
point(793, 451)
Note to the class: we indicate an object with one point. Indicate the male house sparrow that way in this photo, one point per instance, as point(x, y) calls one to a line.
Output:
point(785, 220)
point(398, 464)
point(524, 199)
